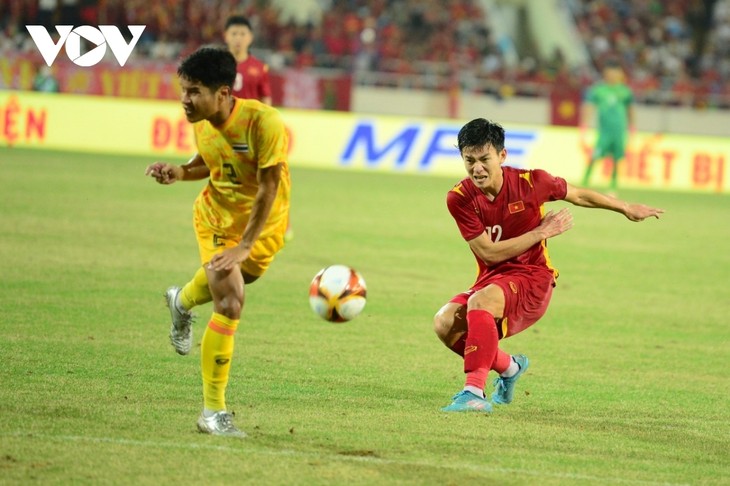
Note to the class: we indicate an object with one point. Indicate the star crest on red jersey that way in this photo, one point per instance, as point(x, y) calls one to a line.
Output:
point(516, 207)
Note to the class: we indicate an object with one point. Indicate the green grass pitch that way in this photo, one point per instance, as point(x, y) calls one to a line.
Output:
point(628, 380)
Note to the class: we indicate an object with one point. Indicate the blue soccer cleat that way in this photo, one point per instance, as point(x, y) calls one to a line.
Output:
point(466, 401)
point(504, 388)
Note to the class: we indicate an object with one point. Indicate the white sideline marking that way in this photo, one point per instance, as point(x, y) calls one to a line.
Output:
point(334, 457)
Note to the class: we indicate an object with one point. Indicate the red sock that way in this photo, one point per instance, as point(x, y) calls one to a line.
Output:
point(459, 345)
point(482, 342)
point(477, 378)
point(501, 361)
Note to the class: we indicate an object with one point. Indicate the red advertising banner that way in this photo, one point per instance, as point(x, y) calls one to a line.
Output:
point(158, 80)
point(138, 79)
point(297, 88)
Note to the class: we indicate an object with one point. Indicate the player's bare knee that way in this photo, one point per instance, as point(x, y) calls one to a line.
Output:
point(442, 325)
point(229, 307)
point(482, 300)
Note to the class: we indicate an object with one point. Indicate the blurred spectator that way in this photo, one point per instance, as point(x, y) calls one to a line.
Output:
point(45, 81)
point(69, 13)
point(88, 12)
point(47, 13)
point(301, 12)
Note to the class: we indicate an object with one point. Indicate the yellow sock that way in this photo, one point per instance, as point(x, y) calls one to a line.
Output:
point(196, 292)
point(216, 351)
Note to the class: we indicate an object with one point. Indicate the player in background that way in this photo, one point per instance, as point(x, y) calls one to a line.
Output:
point(252, 74)
point(499, 212)
point(613, 103)
point(239, 217)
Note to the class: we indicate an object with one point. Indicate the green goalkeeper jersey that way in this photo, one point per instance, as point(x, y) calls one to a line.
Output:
point(612, 103)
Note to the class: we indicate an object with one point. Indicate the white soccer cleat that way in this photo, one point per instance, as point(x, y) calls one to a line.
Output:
point(181, 329)
point(220, 423)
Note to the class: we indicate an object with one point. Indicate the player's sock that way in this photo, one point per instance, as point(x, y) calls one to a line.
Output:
point(209, 413)
point(476, 391)
point(459, 345)
point(216, 351)
point(475, 381)
point(481, 347)
point(502, 362)
point(195, 292)
point(511, 370)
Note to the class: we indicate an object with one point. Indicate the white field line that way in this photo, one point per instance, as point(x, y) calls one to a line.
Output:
point(336, 457)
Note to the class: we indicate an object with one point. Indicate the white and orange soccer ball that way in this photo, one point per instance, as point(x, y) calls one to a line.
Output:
point(337, 293)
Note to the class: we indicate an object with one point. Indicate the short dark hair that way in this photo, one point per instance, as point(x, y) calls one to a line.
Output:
point(212, 66)
point(479, 133)
point(612, 63)
point(238, 20)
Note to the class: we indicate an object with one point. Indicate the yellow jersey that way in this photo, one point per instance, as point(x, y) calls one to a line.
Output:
point(252, 138)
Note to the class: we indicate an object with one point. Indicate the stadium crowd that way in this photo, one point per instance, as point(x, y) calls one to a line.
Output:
point(674, 51)
point(675, 47)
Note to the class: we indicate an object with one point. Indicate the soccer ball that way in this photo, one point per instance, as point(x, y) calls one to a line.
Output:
point(337, 293)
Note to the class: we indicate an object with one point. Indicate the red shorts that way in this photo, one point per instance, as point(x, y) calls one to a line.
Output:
point(526, 298)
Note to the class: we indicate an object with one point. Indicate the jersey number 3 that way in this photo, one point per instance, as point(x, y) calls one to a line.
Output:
point(231, 173)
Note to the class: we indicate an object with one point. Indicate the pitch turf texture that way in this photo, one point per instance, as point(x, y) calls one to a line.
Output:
point(627, 384)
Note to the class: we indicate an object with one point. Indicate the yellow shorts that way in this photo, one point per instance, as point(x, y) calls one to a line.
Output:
point(262, 253)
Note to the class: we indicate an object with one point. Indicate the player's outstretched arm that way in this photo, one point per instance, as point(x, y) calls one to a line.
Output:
point(588, 198)
point(491, 253)
point(165, 173)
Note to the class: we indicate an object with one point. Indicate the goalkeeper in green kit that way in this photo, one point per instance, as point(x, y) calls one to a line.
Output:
point(613, 103)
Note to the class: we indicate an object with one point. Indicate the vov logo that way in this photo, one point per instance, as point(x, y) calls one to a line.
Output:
point(105, 35)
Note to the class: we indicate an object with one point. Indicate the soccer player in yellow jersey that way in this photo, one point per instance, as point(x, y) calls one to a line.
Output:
point(239, 217)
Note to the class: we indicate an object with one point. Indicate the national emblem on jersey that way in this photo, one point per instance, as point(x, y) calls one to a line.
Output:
point(516, 207)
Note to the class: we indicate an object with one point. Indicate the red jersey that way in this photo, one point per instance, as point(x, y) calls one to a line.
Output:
point(517, 209)
point(252, 79)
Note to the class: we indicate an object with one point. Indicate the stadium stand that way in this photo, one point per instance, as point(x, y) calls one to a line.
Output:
point(675, 52)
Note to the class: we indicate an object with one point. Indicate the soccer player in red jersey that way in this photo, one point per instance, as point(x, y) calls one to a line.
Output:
point(499, 212)
point(252, 75)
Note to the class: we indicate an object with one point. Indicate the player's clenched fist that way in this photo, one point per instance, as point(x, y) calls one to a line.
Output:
point(164, 173)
